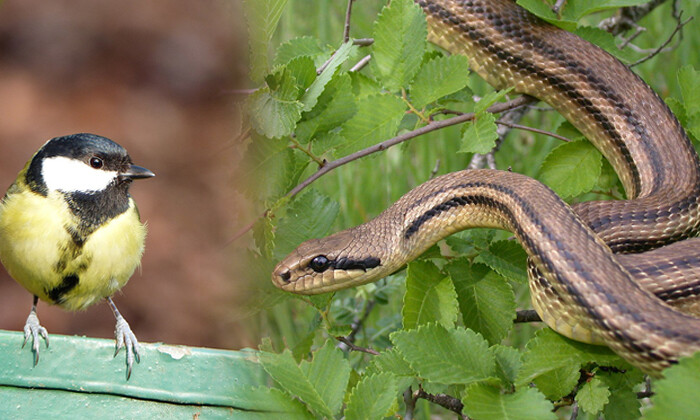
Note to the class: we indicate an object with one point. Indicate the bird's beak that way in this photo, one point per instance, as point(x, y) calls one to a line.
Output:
point(136, 172)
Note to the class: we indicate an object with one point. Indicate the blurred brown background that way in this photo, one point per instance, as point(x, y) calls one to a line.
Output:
point(156, 78)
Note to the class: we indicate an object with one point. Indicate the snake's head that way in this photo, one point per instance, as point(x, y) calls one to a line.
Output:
point(332, 263)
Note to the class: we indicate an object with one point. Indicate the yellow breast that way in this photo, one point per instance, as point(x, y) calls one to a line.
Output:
point(39, 252)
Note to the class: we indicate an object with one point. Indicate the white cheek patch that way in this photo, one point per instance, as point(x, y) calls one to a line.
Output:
point(70, 175)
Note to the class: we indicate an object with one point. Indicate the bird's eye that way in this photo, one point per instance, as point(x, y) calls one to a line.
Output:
point(320, 263)
point(96, 162)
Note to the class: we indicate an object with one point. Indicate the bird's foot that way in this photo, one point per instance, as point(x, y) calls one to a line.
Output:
point(126, 338)
point(33, 329)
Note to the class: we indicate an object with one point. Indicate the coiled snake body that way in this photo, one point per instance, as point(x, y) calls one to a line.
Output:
point(579, 286)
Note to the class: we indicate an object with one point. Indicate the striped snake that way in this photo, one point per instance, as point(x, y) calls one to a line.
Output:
point(586, 281)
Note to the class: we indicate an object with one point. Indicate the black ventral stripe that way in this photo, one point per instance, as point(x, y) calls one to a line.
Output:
point(57, 293)
point(556, 82)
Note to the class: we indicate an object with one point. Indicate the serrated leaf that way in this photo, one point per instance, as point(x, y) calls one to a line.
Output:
point(303, 71)
point(623, 403)
point(548, 351)
point(310, 215)
point(336, 105)
point(376, 120)
point(272, 168)
point(543, 10)
point(273, 400)
point(489, 99)
point(430, 296)
point(320, 383)
point(678, 394)
point(455, 356)
point(486, 300)
point(439, 77)
point(508, 363)
point(262, 17)
point(689, 81)
point(507, 258)
point(274, 109)
point(391, 361)
point(606, 41)
point(329, 372)
point(485, 402)
point(479, 136)
point(314, 91)
point(304, 46)
point(592, 396)
point(572, 168)
point(399, 41)
point(372, 397)
point(558, 382)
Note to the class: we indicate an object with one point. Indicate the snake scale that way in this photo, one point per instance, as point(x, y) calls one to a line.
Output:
point(587, 280)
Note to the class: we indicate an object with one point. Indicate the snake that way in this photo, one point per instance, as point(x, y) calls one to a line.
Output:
point(621, 273)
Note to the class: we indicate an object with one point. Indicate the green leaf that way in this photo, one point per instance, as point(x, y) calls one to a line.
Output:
point(486, 300)
point(572, 168)
point(485, 402)
point(430, 296)
point(372, 397)
point(678, 394)
point(558, 382)
point(548, 351)
point(271, 168)
point(399, 41)
point(391, 361)
point(320, 383)
point(274, 400)
point(489, 99)
point(439, 77)
point(623, 403)
point(606, 41)
point(303, 71)
point(593, 396)
point(262, 17)
point(336, 105)
point(508, 363)
point(479, 136)
point(304, 46)
point(507, 258)
point(689, 81)
point(274, 109)
point(576, 9)
point(543, 10)
point(310, 215)
point(314, 91)
point(455, 356)
point(377, 118)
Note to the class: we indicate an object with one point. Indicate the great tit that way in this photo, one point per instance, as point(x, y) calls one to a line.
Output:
point(70, 233)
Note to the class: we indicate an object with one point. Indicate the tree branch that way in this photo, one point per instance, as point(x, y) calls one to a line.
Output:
point(352, 347)
point(443, 400)
point(346, 30)
point(679, 25)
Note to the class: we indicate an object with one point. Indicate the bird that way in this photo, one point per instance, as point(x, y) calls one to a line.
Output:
point(70, 232)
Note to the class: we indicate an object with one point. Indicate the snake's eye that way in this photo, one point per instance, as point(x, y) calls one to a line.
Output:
point(96, 162)
point(320, 264)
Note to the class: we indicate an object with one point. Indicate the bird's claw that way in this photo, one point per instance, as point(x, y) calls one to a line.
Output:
point(126, 338)
point(33, 329)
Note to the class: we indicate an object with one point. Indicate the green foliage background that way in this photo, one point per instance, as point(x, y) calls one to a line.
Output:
point(444, 323)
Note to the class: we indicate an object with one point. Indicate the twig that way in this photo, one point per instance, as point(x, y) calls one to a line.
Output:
point(346, 31)
point(363, 42)
point(360, 64)
point(678, 27)
point(410, 402)
point(357, 324)
point(627, 17)
point(353, 347)
point(527, 315)
point(534, 130)
point(435, 125)
point(557, 6)
point(443, 400)
point(489, 160)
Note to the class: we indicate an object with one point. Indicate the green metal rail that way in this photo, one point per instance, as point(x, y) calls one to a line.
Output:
point(78, 377)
